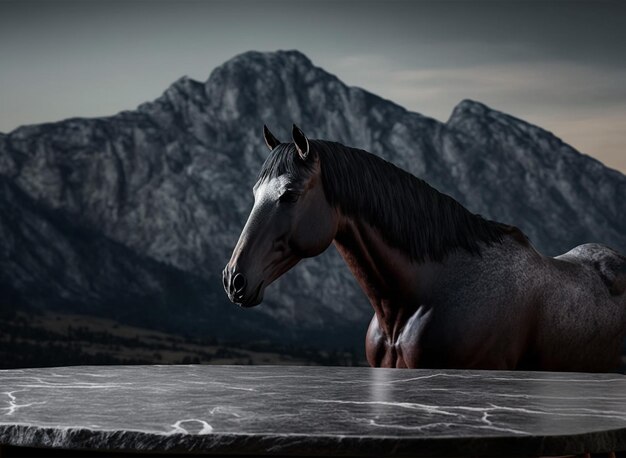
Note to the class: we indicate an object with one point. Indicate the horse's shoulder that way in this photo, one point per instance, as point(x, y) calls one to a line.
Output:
point(608, 263)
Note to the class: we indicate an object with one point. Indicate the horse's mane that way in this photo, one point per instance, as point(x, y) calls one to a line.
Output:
point(410, 214)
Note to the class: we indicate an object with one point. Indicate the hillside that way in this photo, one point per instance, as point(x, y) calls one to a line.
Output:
point(133, 216)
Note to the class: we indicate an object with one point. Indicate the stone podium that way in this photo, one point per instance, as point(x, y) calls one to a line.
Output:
point(308, 411)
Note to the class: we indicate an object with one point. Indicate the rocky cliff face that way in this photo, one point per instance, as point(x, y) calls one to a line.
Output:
point(136, 214)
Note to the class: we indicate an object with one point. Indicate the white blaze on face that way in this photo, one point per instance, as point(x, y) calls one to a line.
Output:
point(270, 190)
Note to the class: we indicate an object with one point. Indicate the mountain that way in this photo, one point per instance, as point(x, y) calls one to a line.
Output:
point(133, 216)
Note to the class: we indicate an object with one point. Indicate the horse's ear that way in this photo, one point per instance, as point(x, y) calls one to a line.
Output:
point(301, 142)
point(270, 140)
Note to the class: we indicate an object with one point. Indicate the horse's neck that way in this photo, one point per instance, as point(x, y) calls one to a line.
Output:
point(394, 284)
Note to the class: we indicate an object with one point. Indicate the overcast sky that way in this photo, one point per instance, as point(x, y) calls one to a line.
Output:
point(559, 64)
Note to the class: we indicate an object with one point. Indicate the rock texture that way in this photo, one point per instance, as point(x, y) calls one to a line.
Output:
point(280, 411)
point(137, 213)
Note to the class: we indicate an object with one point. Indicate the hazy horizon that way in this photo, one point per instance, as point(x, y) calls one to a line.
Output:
point(559, 65)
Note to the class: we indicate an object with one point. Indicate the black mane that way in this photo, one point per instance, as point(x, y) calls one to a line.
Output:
point(410, 214)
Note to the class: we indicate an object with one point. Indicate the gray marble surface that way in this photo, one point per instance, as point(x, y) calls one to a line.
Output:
point(270, 410)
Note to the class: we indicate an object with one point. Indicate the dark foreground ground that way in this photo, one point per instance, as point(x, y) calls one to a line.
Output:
point(55, 339)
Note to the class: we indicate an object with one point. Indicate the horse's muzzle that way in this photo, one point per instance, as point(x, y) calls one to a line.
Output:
point(236, 287)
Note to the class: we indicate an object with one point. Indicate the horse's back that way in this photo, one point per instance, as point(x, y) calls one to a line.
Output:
point(606, 262)
point(582, 322)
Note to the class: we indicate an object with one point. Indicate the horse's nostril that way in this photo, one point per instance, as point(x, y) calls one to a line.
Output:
point(239, 282)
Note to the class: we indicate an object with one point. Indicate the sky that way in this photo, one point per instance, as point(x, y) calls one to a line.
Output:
point(559, 64)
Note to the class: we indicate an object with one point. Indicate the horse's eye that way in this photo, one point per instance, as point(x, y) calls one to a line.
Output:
point(289, 196)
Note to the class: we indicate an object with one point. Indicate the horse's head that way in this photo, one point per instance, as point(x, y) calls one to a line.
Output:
point(290, 220)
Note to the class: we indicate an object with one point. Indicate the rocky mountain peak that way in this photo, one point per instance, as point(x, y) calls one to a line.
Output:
point(468, 113)
point(166, 189)
point(468, 108)
point(481, 121)
point(279, 61)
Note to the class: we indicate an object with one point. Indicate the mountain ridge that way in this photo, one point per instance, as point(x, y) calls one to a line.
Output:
point(171, 180)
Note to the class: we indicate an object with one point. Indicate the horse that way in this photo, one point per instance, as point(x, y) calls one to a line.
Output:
point(449, 288)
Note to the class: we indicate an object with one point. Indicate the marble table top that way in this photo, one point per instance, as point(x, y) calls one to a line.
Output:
point(278, 410)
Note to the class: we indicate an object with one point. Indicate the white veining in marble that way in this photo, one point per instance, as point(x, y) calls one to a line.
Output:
point(178, 427)
point(322, 410)
point(13, 405)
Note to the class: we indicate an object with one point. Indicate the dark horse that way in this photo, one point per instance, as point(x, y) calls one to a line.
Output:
point(449, 288)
